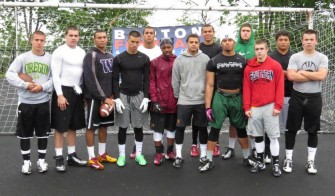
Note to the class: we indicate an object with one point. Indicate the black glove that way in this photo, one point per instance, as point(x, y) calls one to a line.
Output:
point(156, 107)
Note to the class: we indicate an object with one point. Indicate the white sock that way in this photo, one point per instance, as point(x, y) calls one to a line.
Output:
point(203, 150)
point(71, 149)
point(289, 154)
point(122, 150)
point(260, 147)
point(102, 148)
point(59, 151)
point(138, 147)
point(252, 142)
point(90, 151)
point(157, 136)
point(311, 153)
point(231, 142)
point(178, 150)
point(274, 146)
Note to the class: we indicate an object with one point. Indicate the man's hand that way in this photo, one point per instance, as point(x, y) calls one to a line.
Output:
point(209, 114)
point(31, 85)
point(62, 102)
point(36, 88)
point(275, 112)
point(119, 105)
point(144, 105)
point(248, 114)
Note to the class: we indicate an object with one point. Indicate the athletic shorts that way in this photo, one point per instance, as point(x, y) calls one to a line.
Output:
point(262, 121)
point(94, 120)
point(159, 122)
point(224, 106)
point(33, 117)
point(186, 112)
point(283, 114)
point(73, 118)
point(307, 106)
point(132, 114)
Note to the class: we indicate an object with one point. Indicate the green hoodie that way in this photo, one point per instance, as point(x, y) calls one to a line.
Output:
point(245, 49)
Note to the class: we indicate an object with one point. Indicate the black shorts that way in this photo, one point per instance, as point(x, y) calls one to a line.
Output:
point(307, 106)
point(33, 117)
point(186, 112)
point(73, 118)
point(159, 122)
point(94, 120)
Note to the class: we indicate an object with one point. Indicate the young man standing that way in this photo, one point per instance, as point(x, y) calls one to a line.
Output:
point(188, 82)
point(131, 95)
point(98, 90)
point(263, 96)
point(33, 107)
point(163, 103)
point(307, 69)
point(67, 107)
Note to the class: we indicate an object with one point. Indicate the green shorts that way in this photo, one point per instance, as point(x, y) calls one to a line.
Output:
point(224, 106)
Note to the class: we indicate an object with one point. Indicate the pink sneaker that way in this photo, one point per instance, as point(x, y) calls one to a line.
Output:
point(194, 151)
point(216, 151)
point(170, 156)
point(158, 159)
point(133, 154)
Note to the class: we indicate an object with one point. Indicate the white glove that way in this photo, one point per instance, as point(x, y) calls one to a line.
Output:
point(144, 105)
point(119, 105)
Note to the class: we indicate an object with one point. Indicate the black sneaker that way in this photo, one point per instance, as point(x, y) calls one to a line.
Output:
point(74, 160)
point(249, 162)
point(178, 162)
point(258, 167)
point(206, 166)
point(276, 172)
point(203, 159)
point(229, 152)
point(60, 166)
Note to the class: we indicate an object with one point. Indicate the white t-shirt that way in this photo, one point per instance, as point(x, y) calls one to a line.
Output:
point(151, 53)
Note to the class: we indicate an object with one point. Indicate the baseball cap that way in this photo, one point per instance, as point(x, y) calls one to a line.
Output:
point(229, 35)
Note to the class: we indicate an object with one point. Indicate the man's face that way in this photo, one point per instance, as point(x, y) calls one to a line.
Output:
point(133, 43)
point(283, 42)
point(100, 40)
point(167, 50)
point(149, 35)
point(193, 44)
point(245, 33)
point(261, 51)
point(309, 41)
point(72, 38)
point(37, 42)
point(207, 33)
point(228, 44)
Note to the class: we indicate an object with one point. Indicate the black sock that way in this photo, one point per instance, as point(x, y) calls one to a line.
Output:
point(260, 157)
point(169, 149)
point(42, 144)
point(159, 149)
point(275, 159)
point(25, 146)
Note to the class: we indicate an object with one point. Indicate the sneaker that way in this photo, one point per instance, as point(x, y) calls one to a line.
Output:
point(121, 161)
point(276, 172)
point(178, 162)
point(74, 160)
point(60, 167)
point(140, 160)
point(158, 159)
point(170, 156)
point(194, 151)
point(228, 153)
point(254, 153)
point(95, 164)
point(133, 154)
point(106, 158)
point(203, 159)
point(42, 166)
point(206, 166)
point(258, 167)
point(311, 167)
point(267, 158)
point(288, 165)
point(216, 151)
point(249, 162)
point(26, 167)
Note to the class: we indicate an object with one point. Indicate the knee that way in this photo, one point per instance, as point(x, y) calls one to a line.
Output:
point(214, 134)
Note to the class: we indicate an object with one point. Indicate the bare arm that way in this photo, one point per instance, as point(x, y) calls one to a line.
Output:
point(210, 76)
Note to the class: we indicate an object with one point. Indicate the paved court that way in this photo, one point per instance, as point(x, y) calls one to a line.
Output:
point(227, 178)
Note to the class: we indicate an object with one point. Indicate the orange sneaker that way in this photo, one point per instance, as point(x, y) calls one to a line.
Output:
point(106, 158)
point(95, 164)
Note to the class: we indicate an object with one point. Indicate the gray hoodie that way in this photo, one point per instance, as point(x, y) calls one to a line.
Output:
point(188, 78)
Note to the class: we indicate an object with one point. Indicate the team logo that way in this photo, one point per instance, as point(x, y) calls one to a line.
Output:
point(309, 66)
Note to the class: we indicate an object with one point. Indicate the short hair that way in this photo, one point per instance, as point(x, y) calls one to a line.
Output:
point(37, 33)
point(283, 33)
point(99, 31)
point(134, 34)
point(262, 41)
point(310, 31)
point(246, 25)
point(149, 27)
point(192, 35)
point(73, 28)
point(207, 25)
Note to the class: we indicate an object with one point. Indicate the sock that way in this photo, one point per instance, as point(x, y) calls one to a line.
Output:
point(289, 154)
point(41, 154)
point(169, 149)
point(275, 159)
point(102, 148)
point(159, 149)
point(178, 150)
point(252, 142)
point(71, 149)
point(42, 147)
point(311, 153)
point(209, 155)
point(138, 147)
point(203, 150)
point(90, 151)
point(25, 154)
point(122, 150)
point(59, 151)
point(245, 153)
point(231, 142)
point(274, 146)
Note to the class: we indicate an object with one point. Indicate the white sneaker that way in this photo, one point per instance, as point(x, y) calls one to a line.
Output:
point(288, 165)
point(42, 166)
point(311, 167)
point(267, 159)
point(26, 167)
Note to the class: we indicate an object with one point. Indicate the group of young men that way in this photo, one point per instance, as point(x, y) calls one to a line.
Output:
point(201, 87)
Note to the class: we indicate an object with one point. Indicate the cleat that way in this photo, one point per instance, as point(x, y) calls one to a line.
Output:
point(60, 167)
point(276, 170)
point(178, 162)
point(310, 167)
point(74, 160)
point(203, 159)
point(42, 166)
point(95, 164)
point(158, 159)
point(133, 154)
point(267, 158)
point(170, 156)
point(216, 151)
point(206, 166)
point(258, 167)
point(288, 165)
point(140, 160)
point(194, 150)
point(26, 167)
point(121, 161)
point(248, 162)
point(228, 153)
point(106, 158)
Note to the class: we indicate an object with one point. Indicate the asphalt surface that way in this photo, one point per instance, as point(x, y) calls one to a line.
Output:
point(229, 177)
